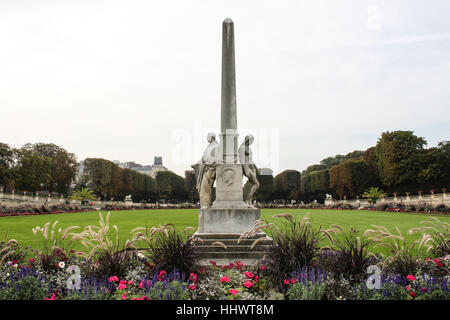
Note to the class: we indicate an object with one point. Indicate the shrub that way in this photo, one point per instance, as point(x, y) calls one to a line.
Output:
point(26, 284)
point(351, 257)
point(168, 250)
point(295, 246)
point(438, 238)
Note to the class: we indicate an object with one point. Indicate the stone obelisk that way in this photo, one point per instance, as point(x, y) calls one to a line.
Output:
point(229, 216)
point(228, 123)
point(229, 213)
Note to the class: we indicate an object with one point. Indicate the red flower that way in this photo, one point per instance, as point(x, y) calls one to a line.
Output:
point(224, 279)
point(192, 287)
point(248, 274)
point(233, 291)
point(412, 294)
point(410, 277)
point(248, 284)
point(213, 263)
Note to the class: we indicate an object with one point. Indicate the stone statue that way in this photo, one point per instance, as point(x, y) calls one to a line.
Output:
point(328, 196)
point(205, 171)
point(250, 169)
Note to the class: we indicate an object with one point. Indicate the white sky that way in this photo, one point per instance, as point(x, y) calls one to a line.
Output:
point(122, 79)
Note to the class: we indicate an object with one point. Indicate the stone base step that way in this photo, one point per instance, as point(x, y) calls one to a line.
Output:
point(232, 251)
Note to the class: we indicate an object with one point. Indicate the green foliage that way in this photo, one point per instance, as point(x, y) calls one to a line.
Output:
point(32, 170)
point(26, 288)
point(296, 245)
point(190, 186)
point(108, 180)
point(287, 185)
point(398, 157)
point(374, 194)
point(63, 168)
point(83, 194)
point(352, 177)
point(315, 184)
point(352, 257)
point(6, 165)
point(170, 185)
point(168, 249)
point(310, 291)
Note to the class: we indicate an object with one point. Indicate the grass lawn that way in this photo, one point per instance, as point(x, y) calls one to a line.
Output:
point(19, 227)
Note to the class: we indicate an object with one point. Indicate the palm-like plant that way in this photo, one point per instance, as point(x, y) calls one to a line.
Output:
point(83, 194)
point(373, 194)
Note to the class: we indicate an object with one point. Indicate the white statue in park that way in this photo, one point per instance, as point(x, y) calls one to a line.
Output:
point(205, 171)
point(128, 198)
point(249, 167)
point(328, 196)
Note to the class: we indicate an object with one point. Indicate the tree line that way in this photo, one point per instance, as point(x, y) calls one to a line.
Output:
point(399, 162)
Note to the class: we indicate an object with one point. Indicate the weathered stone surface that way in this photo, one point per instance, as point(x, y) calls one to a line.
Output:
point(229, 187)
point(227, 220)
point(229, 250)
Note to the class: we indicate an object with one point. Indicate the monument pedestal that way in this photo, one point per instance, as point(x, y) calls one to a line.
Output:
point(227, 220)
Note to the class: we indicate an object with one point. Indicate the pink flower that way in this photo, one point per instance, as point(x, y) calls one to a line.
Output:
point(193, 277)
point(141, 284)
point(286, 282)
point(192, 287)
point(113, 279)
point(224, 267)
point(263, 268)
point(130, 282)
point(256, 279)
point(124, 297)
point(122, 285)
point(410, 277)
point(224, 279)
point(233, 291)
point(213, 263)
point(144, 298)
point(248, 274)
point(248, 284)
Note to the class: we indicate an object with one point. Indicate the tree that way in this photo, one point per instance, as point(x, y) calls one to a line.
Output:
point(190, 185)
point(286, 185)
point(32, 171)
point(170, 186)
point(398, 158)
point(435, 167)
point(7, 156)
point(374, 194)
point(63, 165)
point(315, 185)
point(352, 177)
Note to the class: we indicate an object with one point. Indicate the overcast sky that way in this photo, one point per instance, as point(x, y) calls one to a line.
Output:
point(128, 80)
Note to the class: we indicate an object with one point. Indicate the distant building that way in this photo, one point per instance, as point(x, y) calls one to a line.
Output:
point(150, 170)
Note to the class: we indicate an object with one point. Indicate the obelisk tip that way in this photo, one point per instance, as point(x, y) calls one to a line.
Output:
point(228, 21)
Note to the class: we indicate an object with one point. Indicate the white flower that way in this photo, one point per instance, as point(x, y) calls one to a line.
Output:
point(61, 264)
point(140, 255)
point(15, 265)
